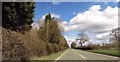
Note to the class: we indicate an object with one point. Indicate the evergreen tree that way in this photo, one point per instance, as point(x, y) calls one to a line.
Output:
point(9, 16)
point(18, 16)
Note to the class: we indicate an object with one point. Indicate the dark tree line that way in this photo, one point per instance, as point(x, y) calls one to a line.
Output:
point(17, 16)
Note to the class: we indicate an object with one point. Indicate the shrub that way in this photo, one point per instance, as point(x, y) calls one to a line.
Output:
point(17, 46)
point(54, 46)
point(36, 46)
point(13, 47)
point(49, 48)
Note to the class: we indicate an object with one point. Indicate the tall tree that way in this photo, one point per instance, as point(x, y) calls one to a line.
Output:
point(9, 15)
point(48, 21)
point(50, 32)
point(83, 37)
point(48, 17)
point(18, 16)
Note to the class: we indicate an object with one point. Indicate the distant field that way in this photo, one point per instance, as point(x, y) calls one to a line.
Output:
point(107, 52)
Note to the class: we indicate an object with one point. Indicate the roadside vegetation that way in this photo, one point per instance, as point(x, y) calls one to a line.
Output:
point(20, 42)
point(52, 56)
point(108, 52)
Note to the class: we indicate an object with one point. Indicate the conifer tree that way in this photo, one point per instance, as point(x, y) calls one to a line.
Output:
point(18, 16)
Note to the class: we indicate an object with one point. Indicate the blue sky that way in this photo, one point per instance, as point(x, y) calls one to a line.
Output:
point(66, 9)
point(69, 12)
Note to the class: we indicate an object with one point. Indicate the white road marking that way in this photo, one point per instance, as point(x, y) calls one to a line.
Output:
point(61, 55)
point(79, 54)
point(82, 56)
point(75, 52)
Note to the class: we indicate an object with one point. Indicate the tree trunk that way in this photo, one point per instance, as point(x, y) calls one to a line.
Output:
point(81, 44)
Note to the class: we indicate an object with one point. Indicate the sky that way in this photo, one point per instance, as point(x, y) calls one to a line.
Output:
point(96, 19)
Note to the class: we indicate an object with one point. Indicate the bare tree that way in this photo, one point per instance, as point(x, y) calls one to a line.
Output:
point(115, 38)
point(83, 37)
point(114, 35)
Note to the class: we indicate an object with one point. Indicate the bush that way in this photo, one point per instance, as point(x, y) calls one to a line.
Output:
point(94, 46)
point(13, 47)
point(49, 48)
point(55, 47)
point(36, 46)
point(17, 46)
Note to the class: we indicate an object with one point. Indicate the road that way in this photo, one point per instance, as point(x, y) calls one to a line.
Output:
point(73, 54)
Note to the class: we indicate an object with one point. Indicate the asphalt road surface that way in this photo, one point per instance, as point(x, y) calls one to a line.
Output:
point(73, 54)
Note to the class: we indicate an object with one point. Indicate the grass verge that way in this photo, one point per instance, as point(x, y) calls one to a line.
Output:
point(107, 52)
point(49, 58)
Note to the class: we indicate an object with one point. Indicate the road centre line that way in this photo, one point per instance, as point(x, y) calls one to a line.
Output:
point(82, 56)
point(61, 55)
point(79, 54)
point(75, 52)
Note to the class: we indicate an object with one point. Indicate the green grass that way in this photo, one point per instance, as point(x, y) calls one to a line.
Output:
point(107, 52)
point(52, 56)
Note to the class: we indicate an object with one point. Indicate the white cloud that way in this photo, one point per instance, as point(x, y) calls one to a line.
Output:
point(55, 15)
point(102, 36)
point(116, 0)
point(35, 26)
point(70, 40)
point(64, 26)
point(55, 3)
point(74, 13)
point(95, 20)
point(95, 8)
